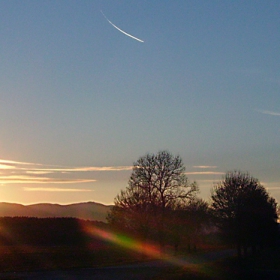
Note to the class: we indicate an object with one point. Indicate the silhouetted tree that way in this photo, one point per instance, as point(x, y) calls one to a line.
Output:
point(156, 185)
point(130, 213)
point(189, 222)
point(244, 211)
point(198, 219)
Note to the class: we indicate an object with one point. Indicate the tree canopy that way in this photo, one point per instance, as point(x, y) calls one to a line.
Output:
point(244, 211)
point(157, 184)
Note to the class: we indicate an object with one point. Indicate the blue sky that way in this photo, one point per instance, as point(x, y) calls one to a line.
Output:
point(80, 101)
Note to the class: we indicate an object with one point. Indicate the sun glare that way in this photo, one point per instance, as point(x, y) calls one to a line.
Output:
point(145, 248)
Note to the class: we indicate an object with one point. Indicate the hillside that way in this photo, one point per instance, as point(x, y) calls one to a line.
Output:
point(87, 210)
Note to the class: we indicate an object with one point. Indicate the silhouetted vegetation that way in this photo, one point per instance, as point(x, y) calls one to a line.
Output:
point(56, 243)
point(43, 232)
point(160, 204)
point(244, 212)
point(189, 224)
point(265, 265)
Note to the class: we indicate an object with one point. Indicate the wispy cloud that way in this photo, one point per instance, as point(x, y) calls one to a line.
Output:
point(94, 168)
point(205, 173)
point(6, 166)
point(271, 186)
point(23, 179)
point(13, 162)
point(16, 172)
point(38, 172)
point(208, 181)
point(55, 190)
point(205, 166)
point(9, 164)
point(271, 113)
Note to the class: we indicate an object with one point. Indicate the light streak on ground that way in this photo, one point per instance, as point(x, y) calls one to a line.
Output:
point(190, 262)
point(144, 248)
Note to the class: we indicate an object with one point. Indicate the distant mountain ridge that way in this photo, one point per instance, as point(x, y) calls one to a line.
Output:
point(85, 210)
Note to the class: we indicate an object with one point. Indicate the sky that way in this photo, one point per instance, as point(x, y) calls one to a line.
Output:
point(81, 101)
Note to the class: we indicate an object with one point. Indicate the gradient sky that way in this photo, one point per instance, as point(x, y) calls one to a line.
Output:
point(80, 101)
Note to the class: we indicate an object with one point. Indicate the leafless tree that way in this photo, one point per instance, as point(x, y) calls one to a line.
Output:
point(156, 185)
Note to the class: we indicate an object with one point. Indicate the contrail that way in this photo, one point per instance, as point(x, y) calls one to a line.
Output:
point(127, 34)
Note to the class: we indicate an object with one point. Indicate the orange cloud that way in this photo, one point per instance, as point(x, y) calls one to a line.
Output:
point(205, 173)
point(21, 179)
point(55, 190)
point(16, 172)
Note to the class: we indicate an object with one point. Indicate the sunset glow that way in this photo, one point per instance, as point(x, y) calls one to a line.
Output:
point(87, 89)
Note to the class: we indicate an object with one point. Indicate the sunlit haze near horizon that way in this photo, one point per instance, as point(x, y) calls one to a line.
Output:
point(83, 96)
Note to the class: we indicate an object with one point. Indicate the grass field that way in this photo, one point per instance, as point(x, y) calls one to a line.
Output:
point(73, 244)
point(264, 265)
point(26, 258)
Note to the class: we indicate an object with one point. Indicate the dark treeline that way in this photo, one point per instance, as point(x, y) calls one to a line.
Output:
point(161, 205)
point(245, 213)
point(46, 231)
point(32, 244)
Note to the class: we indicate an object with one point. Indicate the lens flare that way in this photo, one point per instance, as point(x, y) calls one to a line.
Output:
point(190, 262)
point(125, 242)
point(148, 249)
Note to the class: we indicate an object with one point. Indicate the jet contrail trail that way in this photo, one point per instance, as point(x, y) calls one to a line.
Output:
point(127, 34)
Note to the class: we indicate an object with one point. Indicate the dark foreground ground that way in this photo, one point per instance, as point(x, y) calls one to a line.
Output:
point(211, 265)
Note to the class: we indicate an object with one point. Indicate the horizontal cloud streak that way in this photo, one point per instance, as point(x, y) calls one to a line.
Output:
point(38, 172)
point(56, 190)
point(16, 172)
point(39, 180)
point(273, 188)
point(86, 169)
point(209, 181)
point(204, 173)
point(271, 113)
point(5, 166)
point(205, 166)
point(12, 162)
point(8, 164)
point(271, 185)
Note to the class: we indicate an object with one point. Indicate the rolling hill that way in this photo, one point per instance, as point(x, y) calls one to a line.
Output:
point(87, 210)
